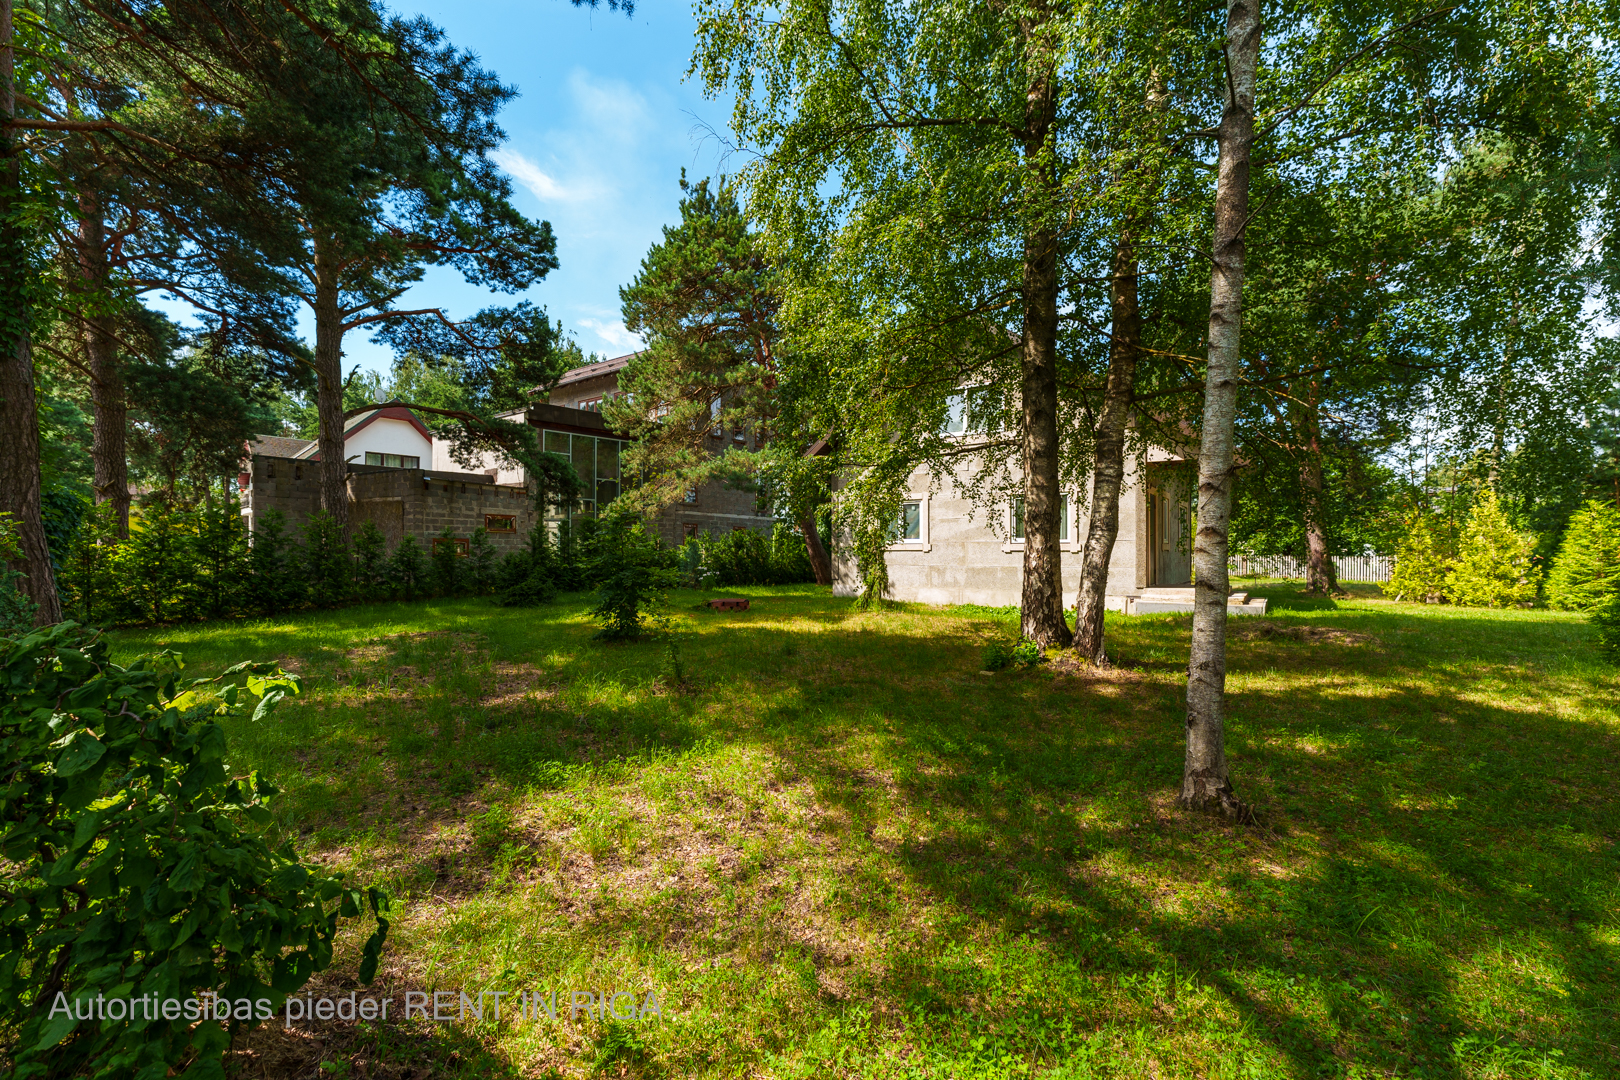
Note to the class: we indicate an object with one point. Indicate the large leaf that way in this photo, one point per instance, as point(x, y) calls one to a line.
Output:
point(81, 752)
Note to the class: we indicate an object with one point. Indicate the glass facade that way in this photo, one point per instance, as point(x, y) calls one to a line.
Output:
point(596, 460)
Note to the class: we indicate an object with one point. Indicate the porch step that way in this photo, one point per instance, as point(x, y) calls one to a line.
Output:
point(1158, 601)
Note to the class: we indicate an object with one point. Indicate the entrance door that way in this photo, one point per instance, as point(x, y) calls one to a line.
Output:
point(1169, 527)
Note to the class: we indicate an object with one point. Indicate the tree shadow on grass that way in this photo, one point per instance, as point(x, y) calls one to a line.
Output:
point(1352, 935)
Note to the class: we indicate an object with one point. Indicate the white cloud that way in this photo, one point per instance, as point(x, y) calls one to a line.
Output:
point(613, 334)
point(531, 176)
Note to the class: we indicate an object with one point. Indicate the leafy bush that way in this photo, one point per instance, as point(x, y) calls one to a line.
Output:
point(635, 573)
point(447, 559)
point(1586, 570)
point(480, 574)
point(997, 656)
point(1421, 561)
point(140, 871)
point(1026, 652)
point(746, 557)
point(16, 610)
point(1495, 565)
point(219, 557)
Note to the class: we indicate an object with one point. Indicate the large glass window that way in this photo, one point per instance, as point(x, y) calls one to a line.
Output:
point(911, 521)
point(596, 460)
point(394, 461)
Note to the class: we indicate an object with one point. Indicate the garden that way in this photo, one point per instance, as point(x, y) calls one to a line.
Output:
point(834, 845)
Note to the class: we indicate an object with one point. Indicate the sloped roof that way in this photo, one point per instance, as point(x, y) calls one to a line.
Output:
point(279, 446)
point(591, 371)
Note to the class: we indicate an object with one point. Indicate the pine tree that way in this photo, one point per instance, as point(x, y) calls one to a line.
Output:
point(277, 581)
point(481, 563)
point(221, 558)
point(370, 562)
point(407, 569)
point(447, 560)
point(1495, 565)
point(328, 565)
point(1587, 568)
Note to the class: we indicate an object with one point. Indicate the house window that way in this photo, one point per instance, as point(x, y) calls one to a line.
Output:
point(394, 461)
point(689, 531)
point(690, 497)
point(911, 521)
point(500, 523)
point(1018, 518)
point(596, 460)
point(591, 404)
point(462, 546)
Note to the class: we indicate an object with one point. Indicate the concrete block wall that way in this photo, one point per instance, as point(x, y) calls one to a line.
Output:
point(420, 502)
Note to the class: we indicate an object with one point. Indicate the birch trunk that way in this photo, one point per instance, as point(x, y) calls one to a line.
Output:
point(329, 385)
point(1206, 783)
point(1041, 601)
point(1108, 474)
point(19, 419)
point(109, 433)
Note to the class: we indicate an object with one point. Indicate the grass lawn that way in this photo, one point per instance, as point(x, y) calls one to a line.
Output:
point(844, 851)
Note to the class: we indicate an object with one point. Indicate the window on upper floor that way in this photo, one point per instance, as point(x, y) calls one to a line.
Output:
point(394, 461)
point(1018, 518)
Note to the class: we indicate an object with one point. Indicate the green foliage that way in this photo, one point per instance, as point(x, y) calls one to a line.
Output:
point(1586, 570)
point(690, 560)
point(408, 569)
point(1422, 560)
point(139, 865)
point(635, 574)
point(1495, 564)
point(277, 577)
point(481, 565)
point(1606, 616)
point(996, 656)
point(370, 561)
point(447, 560)
point(155, 564)
point(328, 565)
point(219, 558)
point(16, 610)
point(747, 557)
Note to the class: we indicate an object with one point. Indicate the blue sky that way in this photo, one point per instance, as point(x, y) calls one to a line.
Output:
point(597, 138)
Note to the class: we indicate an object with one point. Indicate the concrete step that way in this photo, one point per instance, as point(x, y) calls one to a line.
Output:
point(1185, 595)
point(1237, 604)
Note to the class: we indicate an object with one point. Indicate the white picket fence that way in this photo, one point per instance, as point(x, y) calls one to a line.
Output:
point(1349, 567)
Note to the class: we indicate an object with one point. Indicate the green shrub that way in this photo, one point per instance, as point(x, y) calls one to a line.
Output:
point(328, 565)
point(447, 560)
point(370, 562)
point(89, 586)
point(997, 656)
point(531, 591)
point(219, 559)
point(1422, 561)
point(16, 610)
point(155, 564)
point(407, 569)
point(635, 573)
point(138, 866)
point(1586, 570)
point(1026, 652)
point(481, 558)
point(1495, 565)
point(1607, 618)
point(277, 581)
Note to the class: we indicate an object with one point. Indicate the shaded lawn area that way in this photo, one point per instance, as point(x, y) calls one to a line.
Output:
point(846, 852)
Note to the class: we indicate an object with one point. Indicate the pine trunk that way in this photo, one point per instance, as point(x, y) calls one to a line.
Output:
point(1108, 472)
point(109, 457)
point(1042, 597)
point(1206, 783)
point(329, 386)
point(820, 563)
point(19, 419)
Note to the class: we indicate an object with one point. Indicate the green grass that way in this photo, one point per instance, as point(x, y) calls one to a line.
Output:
point(843, 851)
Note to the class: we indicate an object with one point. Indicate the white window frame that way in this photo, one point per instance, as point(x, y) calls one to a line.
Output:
point(922, 543)
point(1071, 511)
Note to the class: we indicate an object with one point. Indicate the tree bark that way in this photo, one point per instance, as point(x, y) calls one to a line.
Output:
point(109, 457)
point(820, 562)
point(1206, 782)
point(19, 418)
point(329, 384)
point(1042, 597)
point(1320, 574)
point(1108, 473)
